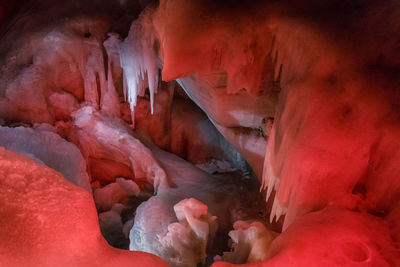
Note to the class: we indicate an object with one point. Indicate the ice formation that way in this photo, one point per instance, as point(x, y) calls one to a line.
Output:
point(250, 243)
point(186, 240)
point(179, 127)
point(139, 60)
point(79, 58)
point(50, 149)
point(108, 137)
point(332, 237)
point(304, 169)
point(47, 221)
point(154, 216)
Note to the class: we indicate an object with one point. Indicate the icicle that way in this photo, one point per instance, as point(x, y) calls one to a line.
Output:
point(273, 210)
point(139, 60)
point(277, 211)
point(110, 101)
point(124, 86)
point(269, 180)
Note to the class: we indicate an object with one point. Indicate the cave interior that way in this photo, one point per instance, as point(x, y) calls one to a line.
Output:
point(199, 133)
